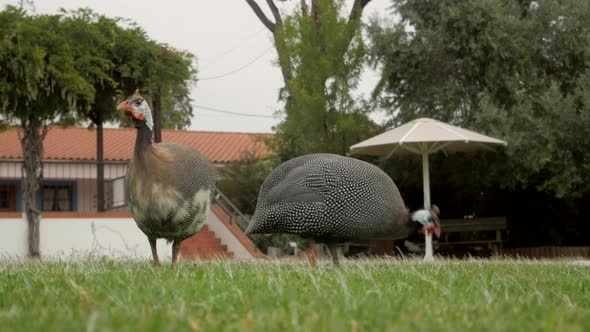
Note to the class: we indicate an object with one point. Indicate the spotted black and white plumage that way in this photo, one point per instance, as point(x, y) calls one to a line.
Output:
point(331, 199)
point(169, 186)
point(175, 206)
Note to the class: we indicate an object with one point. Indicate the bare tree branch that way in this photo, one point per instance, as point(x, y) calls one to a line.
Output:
point(268, 23)
point(304, 9)
point(275, 12)
point(284, 61)
point(315, 12)
point(357, 9)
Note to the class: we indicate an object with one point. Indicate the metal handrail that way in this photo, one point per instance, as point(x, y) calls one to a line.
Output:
point(234, 213)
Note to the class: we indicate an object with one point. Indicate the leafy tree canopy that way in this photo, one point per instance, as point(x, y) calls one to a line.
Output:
point(517, 70)
point(321, 53)
point(118, 57)
point(54, 68)
point(38, 76)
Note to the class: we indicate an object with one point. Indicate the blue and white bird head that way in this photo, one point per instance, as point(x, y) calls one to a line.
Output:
point(137, 110)
point(427, 220)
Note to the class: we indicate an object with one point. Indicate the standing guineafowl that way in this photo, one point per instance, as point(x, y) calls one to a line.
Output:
point(169, 185)
point(334, 199)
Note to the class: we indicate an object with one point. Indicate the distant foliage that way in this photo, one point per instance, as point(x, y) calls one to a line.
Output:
point(241, 181)
point(172, 73)
point(324, 53)
point(69, 67)
point(518, 70)
point(39, 84)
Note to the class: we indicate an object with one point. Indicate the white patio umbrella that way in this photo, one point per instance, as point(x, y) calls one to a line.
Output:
point(425, 136)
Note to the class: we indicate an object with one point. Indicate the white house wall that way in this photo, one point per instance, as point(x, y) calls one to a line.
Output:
point(85, 177)
point(86, 195)
point(81, 171)
point(10, 170)
point(68, 171)
point(118, 192)
point(13, 237)
point(227, 237)
point(75, 238)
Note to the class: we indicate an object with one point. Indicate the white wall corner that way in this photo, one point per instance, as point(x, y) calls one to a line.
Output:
point(227, 237)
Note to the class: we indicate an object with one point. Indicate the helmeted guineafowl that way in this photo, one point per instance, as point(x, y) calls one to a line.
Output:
point(169, 186)
point(334, 199)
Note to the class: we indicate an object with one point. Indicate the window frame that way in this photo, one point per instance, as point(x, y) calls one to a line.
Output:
point(48, 183)
point(17, 195)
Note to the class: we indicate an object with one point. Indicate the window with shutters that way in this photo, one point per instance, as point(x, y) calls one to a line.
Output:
point(8, 196)
point(58, 196)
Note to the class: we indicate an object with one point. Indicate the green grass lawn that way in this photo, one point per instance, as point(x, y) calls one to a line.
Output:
point(371, 295)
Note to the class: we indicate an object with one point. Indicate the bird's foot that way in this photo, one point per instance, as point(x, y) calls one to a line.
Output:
point(412, 247)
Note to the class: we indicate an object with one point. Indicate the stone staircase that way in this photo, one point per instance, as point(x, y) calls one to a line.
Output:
point(207, 244)
point(204, 245)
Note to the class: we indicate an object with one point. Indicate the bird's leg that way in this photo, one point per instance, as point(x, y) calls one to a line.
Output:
point(333, 247)
point(154, 251)
point(428, 256)
point(175, 251)
point(312, 254)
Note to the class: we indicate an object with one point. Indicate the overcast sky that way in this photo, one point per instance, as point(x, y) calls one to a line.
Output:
point(228, 40)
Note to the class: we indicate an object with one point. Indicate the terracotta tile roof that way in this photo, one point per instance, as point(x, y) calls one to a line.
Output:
point(80, 144)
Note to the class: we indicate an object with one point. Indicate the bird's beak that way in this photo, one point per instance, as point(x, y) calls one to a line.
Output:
point(126, 107)
point(251, 229)
point(256, 226)
point(434, 228)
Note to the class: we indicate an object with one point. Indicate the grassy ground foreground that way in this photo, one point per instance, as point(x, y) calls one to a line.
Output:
point(371, 295)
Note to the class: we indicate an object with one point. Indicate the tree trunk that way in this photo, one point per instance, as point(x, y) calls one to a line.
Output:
point(32, 146)
point(103, 105)
point(100, 203)
point(276, 27)
point(284, 61)
point(157, 110)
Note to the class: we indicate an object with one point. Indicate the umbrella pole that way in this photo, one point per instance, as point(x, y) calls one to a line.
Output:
point(429, 254)
point(426, 179)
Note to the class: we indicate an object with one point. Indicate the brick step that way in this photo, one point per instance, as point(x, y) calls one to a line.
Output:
point(218, 255)
point(206, 240)
point(217, 246)
point(198, 244)
point(204, 245)
point(209, 255)
point(206, 252)
point(207, 236)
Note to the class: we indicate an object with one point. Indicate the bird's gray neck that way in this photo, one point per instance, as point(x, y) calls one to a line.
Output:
point(142, 141)
point(408, 228)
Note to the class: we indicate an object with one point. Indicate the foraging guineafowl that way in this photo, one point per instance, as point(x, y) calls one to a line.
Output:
point(334, 199)
point(169, 186)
